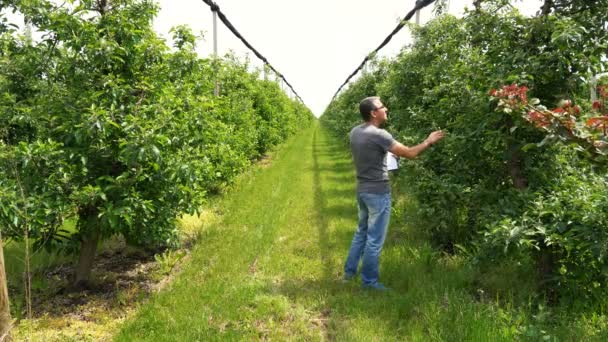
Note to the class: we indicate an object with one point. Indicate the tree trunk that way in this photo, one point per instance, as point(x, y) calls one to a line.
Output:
point(515, 169)
point(477, 5)
point(546, 269)
point(88, 247)
point(102, 6)
point(88, 226)
point(5, 314)
point(546, 9)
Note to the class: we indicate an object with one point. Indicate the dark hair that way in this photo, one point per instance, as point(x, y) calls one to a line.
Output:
point(367, 106)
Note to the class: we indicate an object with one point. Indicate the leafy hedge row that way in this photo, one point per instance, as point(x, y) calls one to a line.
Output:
point(102, 121)
point(495, 187)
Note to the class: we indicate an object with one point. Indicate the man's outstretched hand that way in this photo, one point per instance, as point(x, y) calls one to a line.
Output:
point(435, 137)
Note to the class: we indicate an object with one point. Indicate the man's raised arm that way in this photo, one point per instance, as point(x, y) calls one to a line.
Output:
point(412, 152)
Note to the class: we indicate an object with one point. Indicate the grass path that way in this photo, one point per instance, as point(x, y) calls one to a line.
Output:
point(269, 267)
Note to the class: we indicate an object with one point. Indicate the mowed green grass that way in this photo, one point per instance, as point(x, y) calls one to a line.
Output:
point(270, 267)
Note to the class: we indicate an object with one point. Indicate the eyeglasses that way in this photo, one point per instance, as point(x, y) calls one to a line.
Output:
point(380, 108)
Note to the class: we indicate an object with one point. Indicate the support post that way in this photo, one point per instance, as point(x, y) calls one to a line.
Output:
point(216, 91)
point(592, 89)
point(5, 314)
point(265, 70)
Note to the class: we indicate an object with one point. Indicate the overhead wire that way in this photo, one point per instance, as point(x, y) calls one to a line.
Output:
point(419, 5)
point(216, 8)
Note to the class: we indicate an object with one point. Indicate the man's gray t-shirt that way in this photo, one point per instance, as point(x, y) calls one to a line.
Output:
point(369, 145)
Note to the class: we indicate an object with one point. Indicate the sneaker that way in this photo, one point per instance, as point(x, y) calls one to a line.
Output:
point(376, 286)
point(347, 277)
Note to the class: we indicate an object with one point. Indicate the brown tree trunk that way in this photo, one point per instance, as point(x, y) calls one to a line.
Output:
point(546, 268)
point(477, 5)
point(515, 169)
point(546, 9)
point(102, 6)
point(88, 247)
point(5, 314)
point(88, 226)
point(514, 161)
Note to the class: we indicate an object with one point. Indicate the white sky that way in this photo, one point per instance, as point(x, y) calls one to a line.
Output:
point(315, 44)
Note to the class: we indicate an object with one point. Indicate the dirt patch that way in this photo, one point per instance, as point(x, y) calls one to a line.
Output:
point(122, 277)
point(265, 161)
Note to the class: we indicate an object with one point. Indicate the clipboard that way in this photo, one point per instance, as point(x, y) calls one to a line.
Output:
point(392, 161)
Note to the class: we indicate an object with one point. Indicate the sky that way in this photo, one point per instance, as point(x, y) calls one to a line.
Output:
point(315, 44)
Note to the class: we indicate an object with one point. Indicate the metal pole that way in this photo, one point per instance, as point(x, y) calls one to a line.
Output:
point(216, 91)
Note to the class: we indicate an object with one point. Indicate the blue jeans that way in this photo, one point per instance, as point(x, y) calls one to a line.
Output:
point(374, 216)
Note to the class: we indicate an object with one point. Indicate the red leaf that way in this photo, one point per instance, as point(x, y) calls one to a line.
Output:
point(597, 105)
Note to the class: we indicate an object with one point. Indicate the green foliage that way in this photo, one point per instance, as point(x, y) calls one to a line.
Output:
point(102, 121)
point(569, 218)
point(168, 260)
point(490, 177)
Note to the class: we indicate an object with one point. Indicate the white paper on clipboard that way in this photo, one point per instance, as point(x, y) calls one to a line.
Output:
point(392, 161)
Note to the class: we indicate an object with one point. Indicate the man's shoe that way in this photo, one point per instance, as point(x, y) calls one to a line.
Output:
point(347, 277)
point(376, 286)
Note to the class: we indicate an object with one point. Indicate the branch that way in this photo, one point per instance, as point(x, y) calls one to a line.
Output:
point(102, 6)
point(546, 9)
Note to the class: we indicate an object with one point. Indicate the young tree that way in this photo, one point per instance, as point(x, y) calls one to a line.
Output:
point(107, 125)
point(116, 157)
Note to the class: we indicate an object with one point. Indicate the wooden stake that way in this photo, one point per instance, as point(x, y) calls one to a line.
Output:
point(5, 314)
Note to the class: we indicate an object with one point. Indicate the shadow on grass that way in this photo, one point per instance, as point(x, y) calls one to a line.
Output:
point(321, 202)
point(349, 194)
point(342, 299)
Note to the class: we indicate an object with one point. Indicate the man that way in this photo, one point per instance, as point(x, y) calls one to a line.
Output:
point(369, 146)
